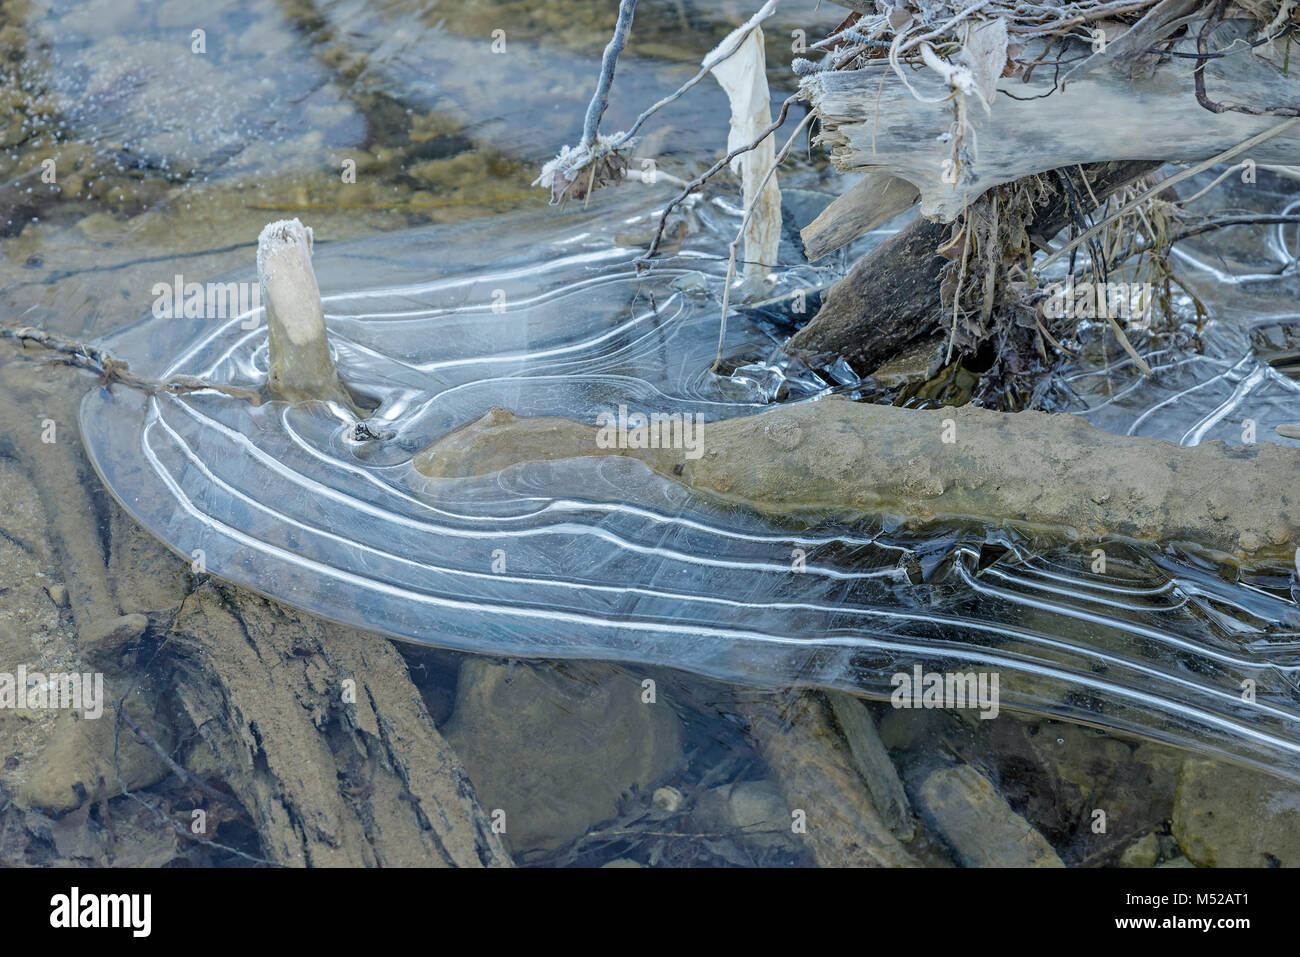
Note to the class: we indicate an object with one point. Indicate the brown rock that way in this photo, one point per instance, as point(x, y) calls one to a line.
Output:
point(556, 749)
point(1226, 816)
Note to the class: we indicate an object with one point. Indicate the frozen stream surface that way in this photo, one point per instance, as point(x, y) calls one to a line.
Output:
point(601, 558)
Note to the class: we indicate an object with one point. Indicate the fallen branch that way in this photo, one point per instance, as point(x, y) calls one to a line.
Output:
point(892, 296)
point(1226, 221)
point(1038, 472)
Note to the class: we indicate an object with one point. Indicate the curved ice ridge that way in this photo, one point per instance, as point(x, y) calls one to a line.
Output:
point(601, 558)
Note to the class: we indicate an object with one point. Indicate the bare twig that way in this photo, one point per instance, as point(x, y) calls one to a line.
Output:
point(1198, 75)
point(111, 370)
point(1166, 183)
point(176, 827)
point(1197, 229)
point(175, 768)
point(754, 21)
point(608, 63)
point(704, 177)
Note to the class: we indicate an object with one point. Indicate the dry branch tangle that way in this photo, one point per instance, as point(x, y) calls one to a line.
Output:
point(1105, 115)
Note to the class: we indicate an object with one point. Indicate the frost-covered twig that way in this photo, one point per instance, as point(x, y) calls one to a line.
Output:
point(598, 160)
point(608, 63)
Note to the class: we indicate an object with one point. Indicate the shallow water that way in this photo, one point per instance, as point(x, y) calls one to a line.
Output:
point(599, 559)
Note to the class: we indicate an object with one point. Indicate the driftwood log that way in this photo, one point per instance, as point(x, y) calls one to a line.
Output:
point(1044, 473)
point(323, 738)
point(872, 122)
point(1118, 111)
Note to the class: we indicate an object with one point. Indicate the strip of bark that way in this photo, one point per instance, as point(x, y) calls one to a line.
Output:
point(883, 782)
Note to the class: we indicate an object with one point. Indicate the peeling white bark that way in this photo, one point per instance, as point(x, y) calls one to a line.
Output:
point(744, 78)
point(1102, 115)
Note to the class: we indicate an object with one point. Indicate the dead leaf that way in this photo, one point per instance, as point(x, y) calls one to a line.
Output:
point(1012, 68)
point(604, 171)
point(952, 250)
point(847, 22)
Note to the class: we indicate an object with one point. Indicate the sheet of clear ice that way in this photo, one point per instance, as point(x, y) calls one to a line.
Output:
point(600, 558)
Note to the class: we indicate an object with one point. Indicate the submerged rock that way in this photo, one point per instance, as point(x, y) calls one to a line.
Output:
point(77, 762)
point(668, 799)
point(556, 749)
point(978, 822)
point(1065, 779)
point(1143, 852)
point(1226, 816)
point(757, 809)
